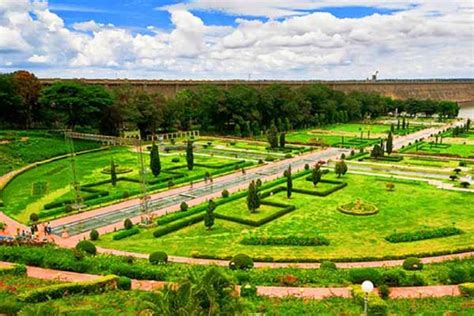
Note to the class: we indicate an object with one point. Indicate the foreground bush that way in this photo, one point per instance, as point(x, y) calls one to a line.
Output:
point(241, 262)
point(412, 264)
point(87, 247)
point(158, 257)
point(60, 290)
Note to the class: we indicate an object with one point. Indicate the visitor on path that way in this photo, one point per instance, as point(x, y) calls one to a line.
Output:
point(49, 228)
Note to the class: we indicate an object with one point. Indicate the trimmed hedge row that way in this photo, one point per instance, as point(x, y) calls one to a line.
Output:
point(56, 291)
point(377, 306)
point(124, 233)
point(284, 241)
point(339, 185)
point(177, 225)
point(16, 269)
point(390, 158)
point(227, 165)
point(423, 234)
point(285, 210)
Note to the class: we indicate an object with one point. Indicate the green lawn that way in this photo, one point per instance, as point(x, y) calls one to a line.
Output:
point(56, 177)
point(410, 207)
point(457, 150)
point(239, 209)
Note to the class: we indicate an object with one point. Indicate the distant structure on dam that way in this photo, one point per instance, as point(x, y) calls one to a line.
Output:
point(459, 90)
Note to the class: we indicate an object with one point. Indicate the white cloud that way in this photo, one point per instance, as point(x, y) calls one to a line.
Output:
point(431, 39)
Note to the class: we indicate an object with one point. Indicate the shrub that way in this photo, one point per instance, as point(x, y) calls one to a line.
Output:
point(124, 283)
point(34, 217)
point(357, 276)
point(384, 291)
point(128, 259)
point(328, 265)
point(462, 163)
point(248, 290)
point(241, 262)
point(423, 234)
point(124, 233)
point(175, 159)
point(467, 289)
point(60, 290)
point(306, 167)
point(127, 223)
point(376, 305)
point(183, 206)
point(288, 156)
point(225, 193)
point(458, 275)
point(94, 235)
point(414, 280)
point(158, 257)
point(412, 264)
point(16, 269)
point(393, 277)
point(288, 280)
point(285, 241)
point(125, 194)
point(87, 247)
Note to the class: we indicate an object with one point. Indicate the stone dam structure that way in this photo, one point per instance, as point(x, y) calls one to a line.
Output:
point(459, 90)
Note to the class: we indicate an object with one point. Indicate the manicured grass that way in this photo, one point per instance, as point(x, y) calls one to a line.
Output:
point(456, 150)
point(24, 147)
point(409, 207)
point(239, 209)
point(20, 202)
point(357, 128)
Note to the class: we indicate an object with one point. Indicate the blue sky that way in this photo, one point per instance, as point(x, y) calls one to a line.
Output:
point(137, 15)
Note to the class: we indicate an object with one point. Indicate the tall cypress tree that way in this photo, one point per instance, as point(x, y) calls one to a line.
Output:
point(289, 182)
point(155, 163)
point(190, 155)
point(272, 136)
point(389, 145)
point(316, 174)
point(282, 140)
point(113, 173)
point(209, 216)
point(253, 198)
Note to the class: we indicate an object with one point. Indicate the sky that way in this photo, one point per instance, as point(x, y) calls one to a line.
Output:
point(238, 39)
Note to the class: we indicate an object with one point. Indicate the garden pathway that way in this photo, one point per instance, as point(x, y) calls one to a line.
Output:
point(270, 291)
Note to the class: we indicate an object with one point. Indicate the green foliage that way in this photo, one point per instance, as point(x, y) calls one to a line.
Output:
point(113, 173)
point(155, 163)
point(423, 234)
point(94, 235)
point(209, 217)
point(124, 233)
point(376, 306)
point(412, 264)
point(316, 174)
point(127, 223)
point(189, 155)
point(241, 262)
point(459, 275)
point(15, 269)
point(340, 168)
point(99, 285)
point(225, 193)
point(272, 136)
point(467, 289)
point(282, 140)
point(124, 283)
point(328, 265)
point(34, 217)
point(393, 277)
point(285, 241)
point(183, 207)
point(289, 182)
point(248, 290)
point(253, 197)
point(158, 257)
point(359, 275)
point(389, 145)
point(384, 291)
point(87, 247)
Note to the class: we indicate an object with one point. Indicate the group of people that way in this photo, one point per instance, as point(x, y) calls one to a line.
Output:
point(33, 234)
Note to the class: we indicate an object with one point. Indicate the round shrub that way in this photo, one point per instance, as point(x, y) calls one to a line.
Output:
point(94, 234)
point(462, 163)
point(87, 247)
point(128, 259)
point(127, 223)
point(328, 265)
point(124, 283)
point(412, 264)
point(34, 217)
point(241, 262)
point(225, 193)
point(78, 254)
point(158, 257)
point(458, 275)
point(183, 207)
point(175, 159)
point(357, 276)
point(393, 277)
point(306, 167)
point(384, 291)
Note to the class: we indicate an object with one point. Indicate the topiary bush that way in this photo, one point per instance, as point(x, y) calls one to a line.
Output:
point(175, 159)
point(34, 217)
point(225, 193)
point(384, 291)
point(241, 262)
point(87, 247)
point(183, 206)
point(458, 275)
point(393, 277)
point(94, 235)
point(412, 264)
point(328, 265)
point(127, 223)
point(124, 283)
point(357, 276)
point(158, 257)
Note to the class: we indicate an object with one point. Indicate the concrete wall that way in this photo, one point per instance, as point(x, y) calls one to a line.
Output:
point(456, 90)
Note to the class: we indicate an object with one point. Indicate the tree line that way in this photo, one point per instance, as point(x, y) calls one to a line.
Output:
point(240, 109)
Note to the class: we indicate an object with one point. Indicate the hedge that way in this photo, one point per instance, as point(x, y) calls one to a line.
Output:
point(467, 289)
point(390, 158)
point(15, 269)
point(284, 241)
point(57, 291)
point(287, 209)
point(338, 186)
point(124, 233)
point(376, 306)
point(178, 225)
point(423, 234)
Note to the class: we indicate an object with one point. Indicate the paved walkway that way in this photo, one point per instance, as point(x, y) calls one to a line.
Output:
point(270, 291)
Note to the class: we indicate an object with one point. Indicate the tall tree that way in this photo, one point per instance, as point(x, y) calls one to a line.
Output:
point(389, 145)
point(190, 155)
point(289, 182)
point(282, 140)
point(209, 216)
point(10, 101)
point(253, 197)
point(340, 168)
point(155, 162)
point(316, 174)
point(272, 136)
point(113, 173)
point(28, 88)
point(237, 130)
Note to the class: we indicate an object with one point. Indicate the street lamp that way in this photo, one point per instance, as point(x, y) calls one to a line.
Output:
point(367, 288)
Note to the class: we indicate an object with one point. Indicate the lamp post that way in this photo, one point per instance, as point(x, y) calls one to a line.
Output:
point(367, 287)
